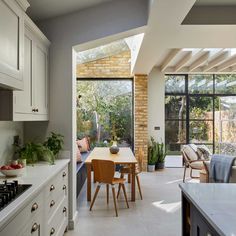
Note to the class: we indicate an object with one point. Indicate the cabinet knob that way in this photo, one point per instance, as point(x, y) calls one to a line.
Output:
point(64, 210)
point(52, 231)
point(34, 207)
point(52, 203)
point(64, 174)
point(34, 227)
point(52, 187)
point(33, 110)
point(64, 187)
point(37, 110)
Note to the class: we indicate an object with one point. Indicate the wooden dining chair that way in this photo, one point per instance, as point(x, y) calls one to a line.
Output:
point(104, 172)
point(138, 169)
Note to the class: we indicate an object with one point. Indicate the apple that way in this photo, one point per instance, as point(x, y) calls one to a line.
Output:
point(18, 166)
point(4, 167)
point(13, 165)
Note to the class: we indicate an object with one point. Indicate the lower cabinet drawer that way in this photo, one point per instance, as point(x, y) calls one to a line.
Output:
point(32, 211)
point(53, 227)
point(34, 228)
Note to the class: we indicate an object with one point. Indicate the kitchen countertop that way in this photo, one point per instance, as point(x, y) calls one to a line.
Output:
point(37, 175)
point(216, 202)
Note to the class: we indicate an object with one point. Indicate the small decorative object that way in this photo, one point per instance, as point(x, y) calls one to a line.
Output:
point(114, 149)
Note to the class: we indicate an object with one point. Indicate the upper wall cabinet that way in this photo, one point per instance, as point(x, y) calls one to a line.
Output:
point(11, 45)
point(31, 104)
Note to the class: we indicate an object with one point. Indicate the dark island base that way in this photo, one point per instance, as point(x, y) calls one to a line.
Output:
point(193, 222)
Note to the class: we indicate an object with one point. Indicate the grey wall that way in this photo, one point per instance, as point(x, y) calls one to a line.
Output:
point(7, 131)
point(156, 104)
point(64, 32)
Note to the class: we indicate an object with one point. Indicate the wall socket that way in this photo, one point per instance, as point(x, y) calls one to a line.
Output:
point(16, 140)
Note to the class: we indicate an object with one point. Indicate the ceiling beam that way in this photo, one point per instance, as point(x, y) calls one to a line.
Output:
point(229, 63)
point(183, 61)
point(199, 61)
point(173, 53)
point(233, 68)
point(218, 60)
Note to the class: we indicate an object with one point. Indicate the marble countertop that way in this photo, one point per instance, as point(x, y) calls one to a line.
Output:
point(37, 175)
point(216, 202)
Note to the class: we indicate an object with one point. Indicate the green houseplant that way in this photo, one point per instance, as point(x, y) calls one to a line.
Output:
point(152, 154)
point(34, 152)
point(54, 143)
point(161, 155)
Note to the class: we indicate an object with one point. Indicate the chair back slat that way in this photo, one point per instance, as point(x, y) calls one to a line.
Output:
point(104, 171)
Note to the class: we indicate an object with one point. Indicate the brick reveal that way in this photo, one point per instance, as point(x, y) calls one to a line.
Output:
point(141, 115)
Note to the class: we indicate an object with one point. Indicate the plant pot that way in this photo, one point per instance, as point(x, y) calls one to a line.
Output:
point(160, 165)
point(151, 168)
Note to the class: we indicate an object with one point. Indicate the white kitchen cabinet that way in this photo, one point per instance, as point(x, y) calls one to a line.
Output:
point(46, 214)
point(31, 104)
point(11, 45)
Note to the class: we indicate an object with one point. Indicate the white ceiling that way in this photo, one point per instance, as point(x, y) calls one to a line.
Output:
point(165, 33)
point(44, 9)
point(215, 2)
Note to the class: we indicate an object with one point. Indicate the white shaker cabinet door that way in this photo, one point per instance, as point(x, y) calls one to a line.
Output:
point(40, 80)
point(23, 100)
point(11, 45)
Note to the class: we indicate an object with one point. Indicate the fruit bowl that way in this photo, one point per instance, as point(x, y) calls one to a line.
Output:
point(13, 172)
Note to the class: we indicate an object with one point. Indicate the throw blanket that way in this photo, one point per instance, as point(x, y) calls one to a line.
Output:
point(220, 168)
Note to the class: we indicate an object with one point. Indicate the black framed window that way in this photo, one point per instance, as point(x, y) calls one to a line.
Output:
point(199, 109)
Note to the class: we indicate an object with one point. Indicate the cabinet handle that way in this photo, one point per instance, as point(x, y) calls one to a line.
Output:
point(34, 228)
point(64, 209)
point(64, 174)
point(52, 231)
point(34, 207)
point(52, 187)
point(52, 203)
point(64, 187)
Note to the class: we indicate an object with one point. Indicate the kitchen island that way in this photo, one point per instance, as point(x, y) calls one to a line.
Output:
point(208, 209)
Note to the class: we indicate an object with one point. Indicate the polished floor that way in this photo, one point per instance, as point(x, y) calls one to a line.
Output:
point(159, 213)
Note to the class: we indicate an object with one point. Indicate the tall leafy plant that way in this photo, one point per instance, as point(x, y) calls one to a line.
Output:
point(161, 152)
point(152, 152)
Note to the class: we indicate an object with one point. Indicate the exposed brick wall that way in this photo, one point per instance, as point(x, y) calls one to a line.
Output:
point(117, 66)
point(141, 115)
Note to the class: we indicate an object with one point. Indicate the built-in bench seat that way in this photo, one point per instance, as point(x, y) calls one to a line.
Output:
point(81, 172)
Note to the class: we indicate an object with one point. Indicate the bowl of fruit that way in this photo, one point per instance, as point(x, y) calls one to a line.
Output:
point(12, 170)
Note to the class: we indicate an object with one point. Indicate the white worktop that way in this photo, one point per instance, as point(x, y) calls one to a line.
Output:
point(216, 202)
point(38, 175)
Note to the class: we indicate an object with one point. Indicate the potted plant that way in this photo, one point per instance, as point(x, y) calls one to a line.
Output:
point(152, 155)
point(34, 152)
point(54, 143)
point(161, 154)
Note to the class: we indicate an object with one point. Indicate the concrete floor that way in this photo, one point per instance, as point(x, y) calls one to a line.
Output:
point(159, 213)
